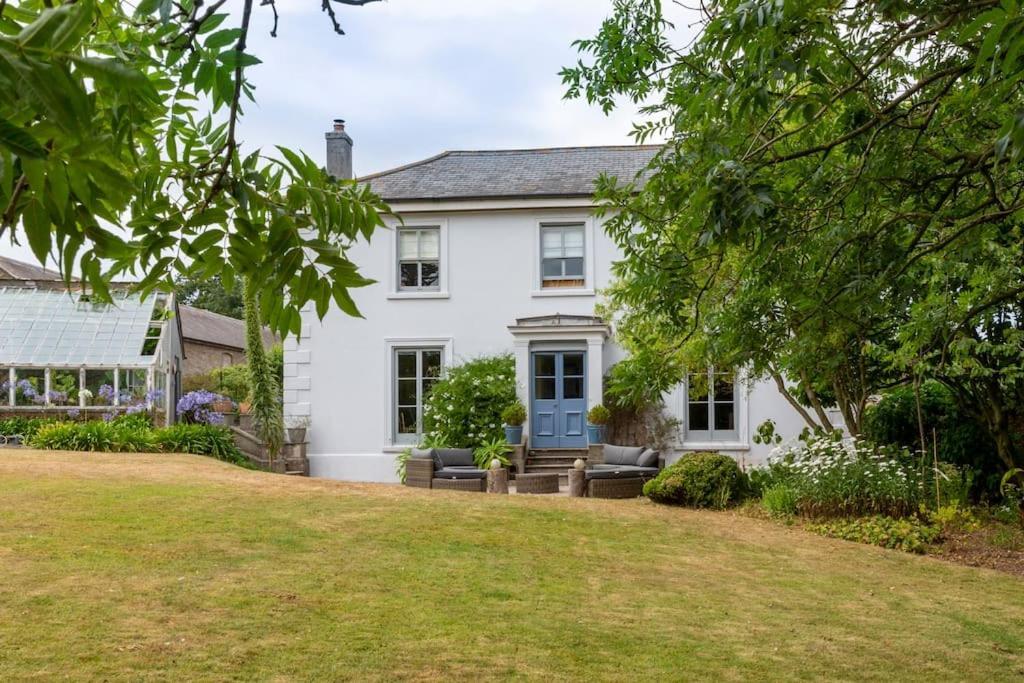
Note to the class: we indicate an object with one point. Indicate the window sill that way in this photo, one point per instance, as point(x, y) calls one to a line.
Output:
point(714, 446)
point(555, 291)
point(418, 295)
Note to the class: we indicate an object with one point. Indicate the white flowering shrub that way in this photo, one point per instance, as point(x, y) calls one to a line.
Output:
point(464, 407)
point(830, 477)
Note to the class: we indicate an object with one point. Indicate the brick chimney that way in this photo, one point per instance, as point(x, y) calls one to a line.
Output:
point(339, 151)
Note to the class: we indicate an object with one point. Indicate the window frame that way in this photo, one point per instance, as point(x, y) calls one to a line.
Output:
point(394, 440)
point(711, 434)
point(588, 279)
point(562, 229)
point(419, 260)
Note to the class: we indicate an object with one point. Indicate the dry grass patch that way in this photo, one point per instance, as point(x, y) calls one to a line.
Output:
point(180, 567)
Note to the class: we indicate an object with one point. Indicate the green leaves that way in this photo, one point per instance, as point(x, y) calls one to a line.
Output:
point(20, 141)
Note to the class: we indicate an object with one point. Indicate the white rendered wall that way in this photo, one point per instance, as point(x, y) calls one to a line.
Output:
point(337, 373)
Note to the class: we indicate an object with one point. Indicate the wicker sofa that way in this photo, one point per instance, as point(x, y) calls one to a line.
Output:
point(623, 472)
point(445, 468)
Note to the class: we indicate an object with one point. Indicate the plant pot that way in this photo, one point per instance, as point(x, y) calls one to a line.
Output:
point(595, 433)
point(514, 435)
point(296, 434)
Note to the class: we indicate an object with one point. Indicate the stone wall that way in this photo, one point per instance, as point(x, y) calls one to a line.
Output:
point(202, 358)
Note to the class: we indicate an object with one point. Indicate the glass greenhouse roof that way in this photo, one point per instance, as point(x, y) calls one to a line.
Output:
point(53, 327)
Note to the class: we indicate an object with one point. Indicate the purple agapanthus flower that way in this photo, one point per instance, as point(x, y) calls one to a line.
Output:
point(135, 408)
point(73, 413)
point(107, 417)
point(198, 407)
point(106, 392)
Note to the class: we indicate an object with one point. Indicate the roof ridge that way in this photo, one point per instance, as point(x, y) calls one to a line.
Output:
point(462, 152)
point(552, 149)
point(404, 167)
point(209, 312)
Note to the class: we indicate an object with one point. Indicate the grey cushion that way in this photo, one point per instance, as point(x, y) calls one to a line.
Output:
point(611, 474)
point(622, 455)
point(649, 458)
point(621, 472)
point(460, 473)
point(454, 457)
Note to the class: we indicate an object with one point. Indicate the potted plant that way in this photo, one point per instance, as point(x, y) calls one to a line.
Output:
point(489, 451)
point(297, 429)
point(514, 416)
point(597, 418)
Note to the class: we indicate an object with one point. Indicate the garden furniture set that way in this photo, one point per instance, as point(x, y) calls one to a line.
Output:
point(622, 474)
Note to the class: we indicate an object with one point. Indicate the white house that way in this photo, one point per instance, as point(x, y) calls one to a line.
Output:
point(497, 251)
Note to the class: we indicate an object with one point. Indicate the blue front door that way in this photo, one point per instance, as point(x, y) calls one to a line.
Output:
point(559, 401)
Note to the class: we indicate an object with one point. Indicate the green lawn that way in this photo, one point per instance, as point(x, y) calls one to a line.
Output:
point(180, 567)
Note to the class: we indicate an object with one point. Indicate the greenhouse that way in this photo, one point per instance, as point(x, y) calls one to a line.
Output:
point(62, 352)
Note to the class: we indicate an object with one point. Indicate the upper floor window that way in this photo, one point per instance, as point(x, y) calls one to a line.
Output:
point(419, 259)
point(711, 408)
point(562, 261)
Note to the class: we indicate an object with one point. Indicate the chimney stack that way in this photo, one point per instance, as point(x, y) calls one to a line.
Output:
point(339, 151)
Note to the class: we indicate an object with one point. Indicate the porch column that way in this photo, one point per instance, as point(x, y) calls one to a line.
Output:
point(595, 377)
point(47, 379)
point(522, 355)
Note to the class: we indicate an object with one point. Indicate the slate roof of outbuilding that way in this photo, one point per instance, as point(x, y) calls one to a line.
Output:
point(11, 269)
point(513, 173)
point(207, 327)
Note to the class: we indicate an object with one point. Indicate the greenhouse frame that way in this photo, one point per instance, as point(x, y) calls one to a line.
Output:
point(61, 351)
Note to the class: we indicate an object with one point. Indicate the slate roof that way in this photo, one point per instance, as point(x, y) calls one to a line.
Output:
point(19, 270)
point(206, 327)
point(514, 173)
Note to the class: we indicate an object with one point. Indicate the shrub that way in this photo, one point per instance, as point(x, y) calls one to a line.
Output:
point(700, 480)
point(598, 415)
point(492, 450)
point(131, 436)
point(201, 440)
point(24, 426)
point(197, 407)
point(465, 407)
point(779, 500)
point(910, 534)
point(514, 414)
point(961, 440)
point(231, 381)
point(834, 477)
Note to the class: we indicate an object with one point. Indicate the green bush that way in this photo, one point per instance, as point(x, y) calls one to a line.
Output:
point(25, 426)
point(779, 500)
point(464, 407)
point(199, 439)
point(910, 534)
point(833, 477)
point(598, 415)
point(701, 480)
point(231, 381)
point(131, 434)
point(514, 415)
point(961, 440)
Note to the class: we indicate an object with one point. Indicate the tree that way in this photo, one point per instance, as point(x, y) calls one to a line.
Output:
point(265, 391)
point(211, 295)
point(103, 123)
point(839, 204)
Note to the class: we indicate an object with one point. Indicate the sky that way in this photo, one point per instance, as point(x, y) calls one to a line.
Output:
point(413, 78)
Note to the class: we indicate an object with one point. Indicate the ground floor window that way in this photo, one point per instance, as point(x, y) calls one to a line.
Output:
point(415, 372)
point(711, 406)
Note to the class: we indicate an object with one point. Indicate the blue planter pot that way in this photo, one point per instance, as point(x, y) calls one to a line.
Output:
point(595, 433)
point(514, 435)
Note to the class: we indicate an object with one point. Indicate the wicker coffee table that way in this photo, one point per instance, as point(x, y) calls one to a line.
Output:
point(538, 482)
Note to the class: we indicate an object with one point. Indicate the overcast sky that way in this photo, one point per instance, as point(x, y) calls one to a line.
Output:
point(413, 78)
